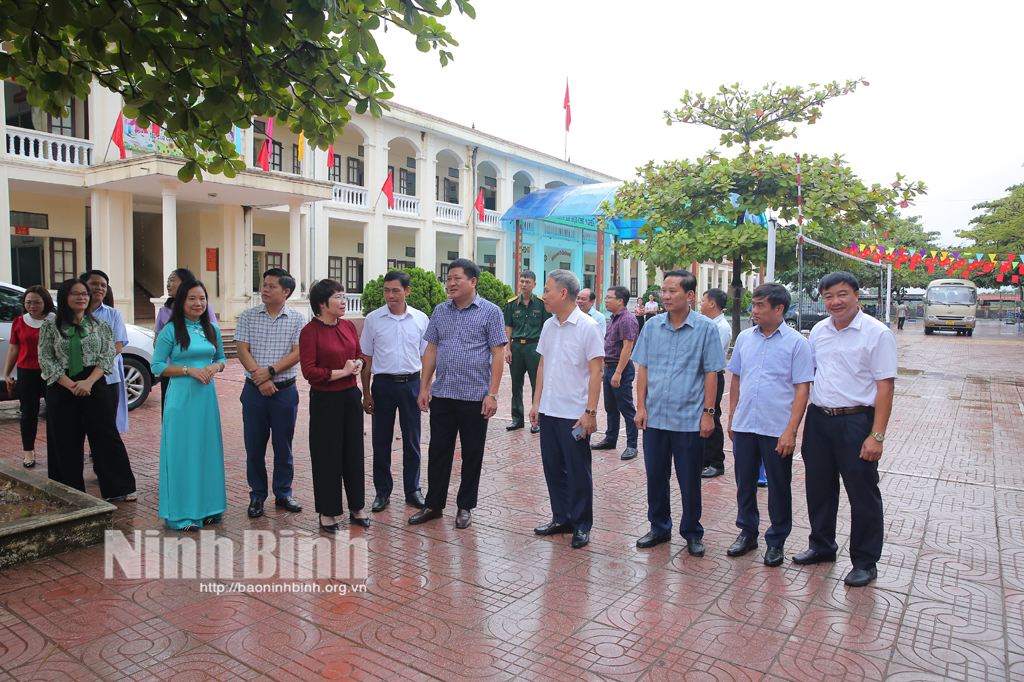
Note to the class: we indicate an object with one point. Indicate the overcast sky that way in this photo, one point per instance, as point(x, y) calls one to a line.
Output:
point(945, 104)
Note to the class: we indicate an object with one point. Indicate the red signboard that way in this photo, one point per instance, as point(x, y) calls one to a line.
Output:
point(211, 260)
point(21, 230)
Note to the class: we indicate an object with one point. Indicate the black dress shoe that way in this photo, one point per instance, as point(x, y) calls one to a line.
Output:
point(380, 503)
point(288, 503)
point(552, 528)
point(651, 540)
point(809, 556)
point(333, 528)
point(580, 539)
point(29, 464)
point(604, 445)
point(743, 545)
point(416, 500)
point(514, 426)
point(628, 454)
point(255, 508)
point(534, 429)
point(364, 522)
point(463, 518)
point(695, 546)
point(424, 515)
point(861, 577)
point(773, 556)
point(711, 472)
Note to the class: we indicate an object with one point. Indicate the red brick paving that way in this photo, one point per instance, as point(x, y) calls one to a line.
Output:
point(497, 603)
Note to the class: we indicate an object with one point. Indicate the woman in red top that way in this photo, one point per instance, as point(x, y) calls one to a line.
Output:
point(331, 359)
point(24, 352)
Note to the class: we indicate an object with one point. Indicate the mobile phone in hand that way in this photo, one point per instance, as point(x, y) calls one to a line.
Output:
point(577, 433)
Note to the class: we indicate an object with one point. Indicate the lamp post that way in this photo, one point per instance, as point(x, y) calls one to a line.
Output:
point(770, 269)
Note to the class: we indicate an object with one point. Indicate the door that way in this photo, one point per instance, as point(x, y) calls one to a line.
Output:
point(353, 275)
point(28, 265)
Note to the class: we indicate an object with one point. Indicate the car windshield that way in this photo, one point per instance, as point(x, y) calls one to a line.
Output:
point(952, 295)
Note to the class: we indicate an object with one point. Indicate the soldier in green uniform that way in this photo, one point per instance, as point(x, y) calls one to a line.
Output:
point(524, 317)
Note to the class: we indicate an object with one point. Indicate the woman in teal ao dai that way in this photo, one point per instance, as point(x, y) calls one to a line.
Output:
point(189, 351)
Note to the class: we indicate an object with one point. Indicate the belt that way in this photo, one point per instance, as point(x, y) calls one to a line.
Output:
point(398, 378)
point(840, 411)
point(280, 385)
point(525, 340)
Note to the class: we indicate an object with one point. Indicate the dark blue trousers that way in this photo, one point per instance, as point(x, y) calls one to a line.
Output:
point(620, 401)
point(750, 450)
point(567, 470)
point(831, 448)
point(265, 418)
point(390, 397)
point(661, 449)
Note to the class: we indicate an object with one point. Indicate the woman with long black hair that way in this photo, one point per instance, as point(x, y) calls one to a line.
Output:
point(192, 489)
point(75, 352)
point(24, 354)
point(163, 316)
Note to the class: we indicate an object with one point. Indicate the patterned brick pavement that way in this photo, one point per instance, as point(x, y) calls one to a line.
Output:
point(496, 603)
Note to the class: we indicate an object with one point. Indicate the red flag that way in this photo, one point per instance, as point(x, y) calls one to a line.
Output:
point(118, 135)
point(479, 204)
point(264, 158)
point(389, 191)
point(565, 105)
point(330, 157)
point(1015, 279)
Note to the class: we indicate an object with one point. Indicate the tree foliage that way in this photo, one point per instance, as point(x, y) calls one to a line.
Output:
point(199, 67)
point(999, 229)
point(696, 210)
point(493, 289)
point(425, 292)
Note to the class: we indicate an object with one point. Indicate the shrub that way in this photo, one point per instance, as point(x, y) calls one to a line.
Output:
point(494, 290)
point(426, 292)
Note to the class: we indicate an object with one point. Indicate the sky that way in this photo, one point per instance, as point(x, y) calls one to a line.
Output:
point(944, 104)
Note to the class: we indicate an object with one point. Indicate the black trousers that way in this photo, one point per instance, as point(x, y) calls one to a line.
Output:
point(900, 321)
point(391, 398)
point(714, 446)
point(69, 420)
point(450, 418)
point(336, 449)
point(31, 389)
point(831, 448)
point(568, 472)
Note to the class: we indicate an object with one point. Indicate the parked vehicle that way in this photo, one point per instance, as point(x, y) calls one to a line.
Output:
point(951, 305)
point(138, 353)
point(812, 313)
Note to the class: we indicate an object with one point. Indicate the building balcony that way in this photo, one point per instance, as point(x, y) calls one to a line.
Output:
point(492, 218)
point(406, 205)
point(47, 148)
point(352, 196)
point(353, 304)
point(450, 213)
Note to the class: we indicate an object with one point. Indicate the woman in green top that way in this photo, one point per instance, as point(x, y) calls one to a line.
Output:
point(75, 351)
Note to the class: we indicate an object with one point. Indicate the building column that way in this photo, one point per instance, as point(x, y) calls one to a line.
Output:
point(295, 240)
point(170, 225)
point(426, 236)
point(6, 266)
point(112, 241)
point(320, 229)
point(304, 245)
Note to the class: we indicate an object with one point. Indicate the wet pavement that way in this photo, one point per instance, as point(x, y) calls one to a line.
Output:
point(495, 602)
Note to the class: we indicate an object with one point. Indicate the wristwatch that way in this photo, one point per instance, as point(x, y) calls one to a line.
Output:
point(592, 413)
point(878, 436)
point(710, 410)
point(271, 370)
point(492, 395)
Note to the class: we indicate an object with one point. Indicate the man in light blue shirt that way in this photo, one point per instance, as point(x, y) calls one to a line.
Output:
point(771, 369)
point(679, 354)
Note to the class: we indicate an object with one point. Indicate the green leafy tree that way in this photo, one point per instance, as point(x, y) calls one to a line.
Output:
point(697, 210)
point(999, 229)
point(493, 289)
point(425, 292)
point(199, 67)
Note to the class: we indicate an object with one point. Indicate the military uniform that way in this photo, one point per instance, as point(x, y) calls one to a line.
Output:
point(526, 322)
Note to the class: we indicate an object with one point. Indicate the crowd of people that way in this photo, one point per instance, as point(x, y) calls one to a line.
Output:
point(450, 366)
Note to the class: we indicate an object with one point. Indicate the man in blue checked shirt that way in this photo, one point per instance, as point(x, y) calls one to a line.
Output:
point(772, 373)
point(465, 344)
point(679, 354)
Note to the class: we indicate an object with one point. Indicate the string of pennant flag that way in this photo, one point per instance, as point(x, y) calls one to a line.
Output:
point(955, 263)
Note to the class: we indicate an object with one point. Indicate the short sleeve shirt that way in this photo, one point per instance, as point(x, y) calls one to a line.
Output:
point(271, 339)
point(526, 320)
point(115, 319)
point(567, 349)
point(724, 331)
point(464, 339)
point(623, 327)
point(395, 342)
point(848, 362)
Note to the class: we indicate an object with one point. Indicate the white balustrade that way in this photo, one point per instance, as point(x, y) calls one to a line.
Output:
point(350, 195)
point(529, 227)
point(589, 237)
point(492, 218)
point(452, 213)
point(560, 231)
point(353, 304)
point(406, 205)
point(47, 148)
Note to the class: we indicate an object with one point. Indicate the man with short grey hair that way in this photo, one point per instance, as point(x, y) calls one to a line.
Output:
point(586, 301)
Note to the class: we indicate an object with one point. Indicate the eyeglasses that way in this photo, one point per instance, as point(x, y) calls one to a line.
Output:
point(79, 294)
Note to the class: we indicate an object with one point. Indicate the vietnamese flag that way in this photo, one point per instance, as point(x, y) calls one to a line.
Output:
point(389, 191)
point(330, 157)
point(565, 105)
point(117, 137)
point(479, 204)
point(264, 157)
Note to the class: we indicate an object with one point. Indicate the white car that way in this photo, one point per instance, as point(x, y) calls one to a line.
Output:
point(138, 353)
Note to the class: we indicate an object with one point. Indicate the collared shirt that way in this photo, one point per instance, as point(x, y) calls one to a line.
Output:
point(676, 362)
point(464, 339)
point(724, 331)
point(597, 316)
point(623, 327)
point(651, 307)
point(394, 341)
point(848, 362)
point(526, 319)
point(115, 319)
point(901, 311)
point(769, 367)
point(567, 348)
point(270, 339)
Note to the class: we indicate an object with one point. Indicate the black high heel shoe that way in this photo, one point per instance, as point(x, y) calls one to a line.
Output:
point(364, 522)
point(333, 528)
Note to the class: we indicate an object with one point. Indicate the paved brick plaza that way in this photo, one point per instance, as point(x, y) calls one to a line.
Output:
point(494, 602)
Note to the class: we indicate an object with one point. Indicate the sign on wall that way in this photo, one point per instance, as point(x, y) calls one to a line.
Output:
point(154, 140)
point(211, 260)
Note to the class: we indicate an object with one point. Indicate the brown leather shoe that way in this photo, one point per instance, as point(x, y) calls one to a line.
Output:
point(463, 519)
point(424, 515)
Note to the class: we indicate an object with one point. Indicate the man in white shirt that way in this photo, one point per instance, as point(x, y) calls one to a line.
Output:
point(587, 302)
point(854, 378)
point(711, 306)
point(392, 344)
point(901, 314)
point(565, 407)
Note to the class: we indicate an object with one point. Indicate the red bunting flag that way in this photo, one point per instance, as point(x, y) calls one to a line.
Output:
point(999, 278)
point(264, 157)
point(1015, 279)
point(389, 190)
point(479, 204)
point(117, 137)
